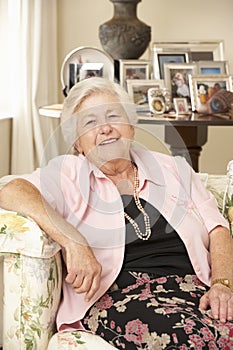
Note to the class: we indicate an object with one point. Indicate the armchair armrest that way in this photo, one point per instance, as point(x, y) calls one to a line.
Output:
point(20, 234)
point(32, 277)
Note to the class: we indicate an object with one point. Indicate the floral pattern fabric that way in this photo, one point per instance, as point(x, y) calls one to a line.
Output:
point(142, 311)
point(31, 297)
point(32, 283)
point(20, 234)
point(78, 340)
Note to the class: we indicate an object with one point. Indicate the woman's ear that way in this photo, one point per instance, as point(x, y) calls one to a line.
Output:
point(77, 146)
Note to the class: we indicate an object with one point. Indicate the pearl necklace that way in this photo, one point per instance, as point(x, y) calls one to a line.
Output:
point(146, 235)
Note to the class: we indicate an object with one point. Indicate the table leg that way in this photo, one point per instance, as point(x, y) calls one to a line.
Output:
point(186, 141)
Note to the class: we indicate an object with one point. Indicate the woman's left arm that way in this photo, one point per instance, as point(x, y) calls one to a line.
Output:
point(220, 297)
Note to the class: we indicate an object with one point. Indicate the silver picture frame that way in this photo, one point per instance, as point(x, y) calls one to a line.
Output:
point(181, 105)
point(211, 50)
point(212, 67)
point(176, 77)
point(134, 69)
point(203, 87)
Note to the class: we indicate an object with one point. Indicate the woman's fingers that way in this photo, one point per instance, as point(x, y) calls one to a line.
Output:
point(204, 302)
point(87, 284)
point(230, 310)
point(220, 300)
point(93, 289)
point(221, 303)
point(78, 282)
point(70, 277)
point(225, 309)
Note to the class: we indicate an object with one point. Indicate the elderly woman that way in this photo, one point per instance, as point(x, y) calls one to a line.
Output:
point(147, 255)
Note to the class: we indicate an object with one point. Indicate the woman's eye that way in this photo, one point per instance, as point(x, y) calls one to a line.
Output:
point(89, 122)
point(114, 116)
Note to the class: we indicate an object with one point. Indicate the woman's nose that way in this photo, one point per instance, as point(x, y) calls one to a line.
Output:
point(105, 128)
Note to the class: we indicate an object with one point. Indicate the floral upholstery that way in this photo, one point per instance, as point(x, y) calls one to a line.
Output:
point(32, 283)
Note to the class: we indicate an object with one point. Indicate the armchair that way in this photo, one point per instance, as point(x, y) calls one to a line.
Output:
point(32, 274)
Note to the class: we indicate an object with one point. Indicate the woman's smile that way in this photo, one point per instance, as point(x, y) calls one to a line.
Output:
point(109, 141)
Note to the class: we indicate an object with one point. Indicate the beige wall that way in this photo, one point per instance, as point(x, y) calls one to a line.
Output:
point(170, 20)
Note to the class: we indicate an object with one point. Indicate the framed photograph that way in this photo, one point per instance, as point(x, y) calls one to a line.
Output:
point(176, 78)
point(157, 105)
point(161, 58)
point(212, 50)
point(212, 67)
point(204, 87)
point(181, 105)
point(133, 69)
point(138, 90)
point(88, 70)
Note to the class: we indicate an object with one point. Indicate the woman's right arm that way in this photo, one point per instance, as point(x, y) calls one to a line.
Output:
point(83, 270)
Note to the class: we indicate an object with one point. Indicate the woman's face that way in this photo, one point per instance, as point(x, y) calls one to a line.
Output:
point(104, 132)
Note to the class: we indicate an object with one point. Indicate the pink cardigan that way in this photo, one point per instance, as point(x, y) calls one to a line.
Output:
point(86, 198)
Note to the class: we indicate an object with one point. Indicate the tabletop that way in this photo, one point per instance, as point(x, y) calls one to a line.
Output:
point(191, 119)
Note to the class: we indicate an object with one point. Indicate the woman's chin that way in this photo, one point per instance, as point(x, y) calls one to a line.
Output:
point(108, 154)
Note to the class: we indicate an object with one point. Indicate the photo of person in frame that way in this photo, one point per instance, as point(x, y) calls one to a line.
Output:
point(180, 83)
point(206, 91)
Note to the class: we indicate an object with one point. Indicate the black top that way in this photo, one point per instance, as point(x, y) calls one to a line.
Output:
point(164, 253)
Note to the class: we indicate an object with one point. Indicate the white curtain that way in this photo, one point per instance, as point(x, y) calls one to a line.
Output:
point(28, 31)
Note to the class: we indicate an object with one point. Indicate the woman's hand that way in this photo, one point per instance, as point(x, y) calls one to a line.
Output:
point(220, 299)
point(83, 270)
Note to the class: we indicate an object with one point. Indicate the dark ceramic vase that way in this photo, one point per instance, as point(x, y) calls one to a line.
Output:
point(125, 36)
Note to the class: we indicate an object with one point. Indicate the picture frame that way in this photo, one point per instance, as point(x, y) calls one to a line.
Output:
point(134, 69)
point(211, 50)
point(181, 105)
point(157, 105)
point(212, 67)
point(160, 58)
point(138, 90)
point(203, 87)
point(89, 69)
point(176, 77)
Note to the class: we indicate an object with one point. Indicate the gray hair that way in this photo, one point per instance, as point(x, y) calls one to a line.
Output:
point(85, 88)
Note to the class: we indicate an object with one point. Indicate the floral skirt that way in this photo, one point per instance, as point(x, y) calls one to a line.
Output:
point(142, 311)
